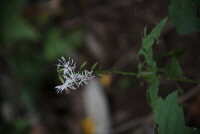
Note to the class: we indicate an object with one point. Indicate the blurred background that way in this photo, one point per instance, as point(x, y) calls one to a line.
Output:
point(34, 34)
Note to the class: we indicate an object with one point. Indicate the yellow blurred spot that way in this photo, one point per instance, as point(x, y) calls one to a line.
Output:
point(88, 126)
point(106, 80)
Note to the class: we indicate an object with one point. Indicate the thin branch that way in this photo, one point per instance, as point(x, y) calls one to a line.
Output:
point(149, 76)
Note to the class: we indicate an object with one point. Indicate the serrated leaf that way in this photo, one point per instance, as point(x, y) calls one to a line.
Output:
point(170, 118)
point(94, 66)
point(83, 65)
point(184, 15)
point(175, 69)
point(147, 42)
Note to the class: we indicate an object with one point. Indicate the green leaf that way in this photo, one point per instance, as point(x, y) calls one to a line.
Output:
point(58, 67)
point(184, 15)
point(75, 38)
point(13, 26)
point(61, 78)
point(148, 41)
point(174, 52)
point(146, 49)
point(94, 66)
point(152, 93)
point(170, 118)
point(100, 68)
point(175, 69)
point(180, 90)
point(83, 65)
point(99, 74)
point(54, 44)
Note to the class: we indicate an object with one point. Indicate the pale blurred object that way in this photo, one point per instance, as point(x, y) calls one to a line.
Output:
point(96, 107)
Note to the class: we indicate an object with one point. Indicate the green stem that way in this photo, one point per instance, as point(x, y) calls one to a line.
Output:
point(152, 76)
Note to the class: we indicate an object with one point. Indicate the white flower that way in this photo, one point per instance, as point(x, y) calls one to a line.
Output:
point(72, 79)
point(85, 76)
point(72, 76)
point(67, 66)
point(69, 84)
point(60, 88)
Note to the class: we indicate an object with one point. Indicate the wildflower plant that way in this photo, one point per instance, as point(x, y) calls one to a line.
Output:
point(169, 116)
point(70, 78)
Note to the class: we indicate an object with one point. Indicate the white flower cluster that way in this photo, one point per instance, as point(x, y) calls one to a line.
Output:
point(71, 78)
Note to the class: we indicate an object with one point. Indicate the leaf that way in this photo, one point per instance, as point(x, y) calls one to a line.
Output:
point(184, 15)
point(75, 38)
point(180, 90)
point(174, 52)
point(13, 26)
point(83, 65)
point(146, 49)
point(175, 69)
point(99, 74)
point(61, 78)
point(94, 66)
point(152, 93)
point(57, 44)
point(170, 118)
point(58, 67)
point(54, 44)
point(148, 41)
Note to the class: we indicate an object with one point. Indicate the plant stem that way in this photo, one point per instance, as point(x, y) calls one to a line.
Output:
point(150, 76)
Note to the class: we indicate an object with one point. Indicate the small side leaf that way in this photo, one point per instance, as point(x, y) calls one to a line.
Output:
point(83, 65)
point(94, 66)
point(61, 78)
point(58, 67)
point(99, 74)
point(180, 90)
point(152, 93)
point(175, 69)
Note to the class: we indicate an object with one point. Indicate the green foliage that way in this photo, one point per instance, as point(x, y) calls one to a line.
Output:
point(152, 92)
point(174, 68)
point(82, 66)
point(12, 25)
point(61, 78)
point(175, 52)
point(57, 43)
point(168, 114)
point(170, 118)
point(18, 126)
point(99, 74)
point(54, 44)
point(146, 49)
point(94, 66)
point(184, 15)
